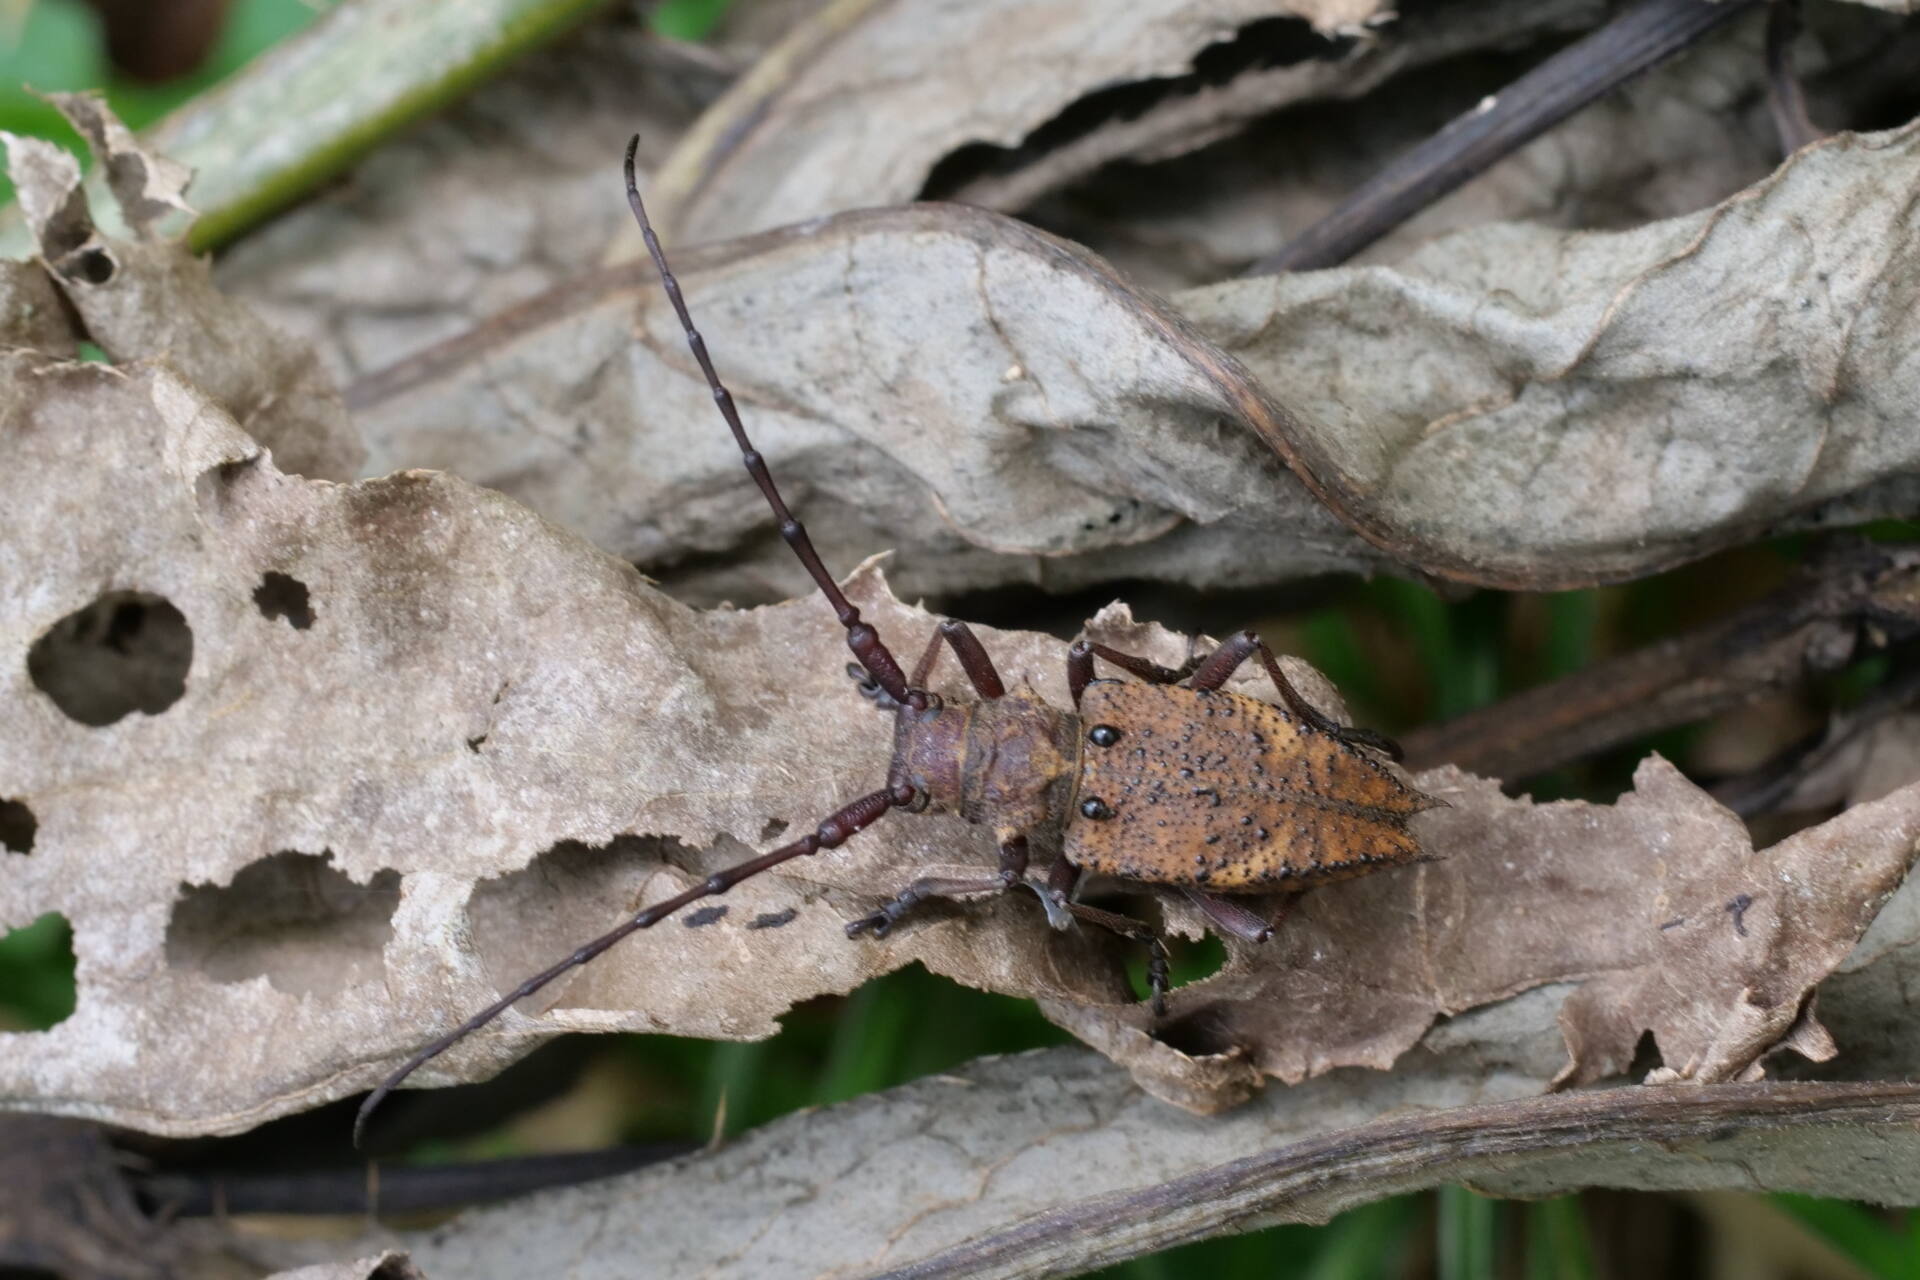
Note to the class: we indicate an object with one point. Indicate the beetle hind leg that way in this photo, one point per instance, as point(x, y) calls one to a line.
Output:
point(1135, 931)
point(1237, 648)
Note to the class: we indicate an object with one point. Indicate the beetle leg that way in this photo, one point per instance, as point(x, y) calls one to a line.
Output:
point(1063, 881)
point(881, 922)
point(923, 669)
point(1230, 916)
point(1080, 667)
point(1245, 644)
point(973, 659)
point(1013, 870)
point(1137, 931)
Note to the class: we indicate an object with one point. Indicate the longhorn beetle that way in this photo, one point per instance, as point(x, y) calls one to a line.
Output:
point(1172, 781)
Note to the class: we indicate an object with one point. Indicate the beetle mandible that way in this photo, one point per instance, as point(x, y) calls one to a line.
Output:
point(1172, 781)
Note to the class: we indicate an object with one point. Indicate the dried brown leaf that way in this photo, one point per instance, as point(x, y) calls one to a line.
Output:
point(1629, 400)
point(1668, 143)
point(426, 742)
point(228, 857)
point(146, 187)
point(152, 299)
point(1657, 905)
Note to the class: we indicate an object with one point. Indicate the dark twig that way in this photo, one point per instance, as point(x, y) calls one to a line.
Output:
point(1785, 98)
point(402, 1188)
point(1638, 39)
point(1853, 597)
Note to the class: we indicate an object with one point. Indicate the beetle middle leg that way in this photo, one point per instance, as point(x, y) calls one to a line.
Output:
point(1080, 667)
point(1237, 648)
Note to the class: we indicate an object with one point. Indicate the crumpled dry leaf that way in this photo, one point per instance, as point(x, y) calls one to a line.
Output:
point(389, 1265)
point(1055, 410)
point(551, 697)
point(1511, 406)
point(878, 101)
point(146, 187)
point(269, 849)
point(1620, 898)
point(151, 298)
point(1645, 397)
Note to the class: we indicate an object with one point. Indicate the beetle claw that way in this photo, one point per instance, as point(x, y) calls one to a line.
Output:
point(1054, 902)
point(878, 924)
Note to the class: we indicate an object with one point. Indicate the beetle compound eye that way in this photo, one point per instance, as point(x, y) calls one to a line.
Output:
point(1103, 735)
point(1096, 808)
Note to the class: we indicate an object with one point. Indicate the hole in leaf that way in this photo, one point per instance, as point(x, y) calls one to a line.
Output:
point(294, 918)
point(127, 651)
point(36, 974)
point(1260, 45)
point(280, 595)
point(90, 266)
point(567, 895)
point(1646, 1057)
point(1201, 1032)
point(1194, 961)
point(18, 826)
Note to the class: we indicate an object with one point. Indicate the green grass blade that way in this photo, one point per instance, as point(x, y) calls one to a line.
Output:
point(1364, 1243)
point(1858, 1233)
point(1466, 1225)
point(1558, 1246)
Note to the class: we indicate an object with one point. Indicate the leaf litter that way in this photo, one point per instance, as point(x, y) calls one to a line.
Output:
point(554, 696)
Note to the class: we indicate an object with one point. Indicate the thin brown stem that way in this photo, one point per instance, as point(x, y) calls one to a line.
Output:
point(1851, 599)
point(1642, 37)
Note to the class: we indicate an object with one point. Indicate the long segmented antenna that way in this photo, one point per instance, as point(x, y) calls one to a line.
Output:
point(861, 638)
point(830, 835)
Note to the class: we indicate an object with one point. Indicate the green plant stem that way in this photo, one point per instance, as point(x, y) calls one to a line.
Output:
point(306, 110)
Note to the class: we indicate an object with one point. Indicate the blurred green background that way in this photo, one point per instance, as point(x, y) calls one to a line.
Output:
point(1402, 656)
